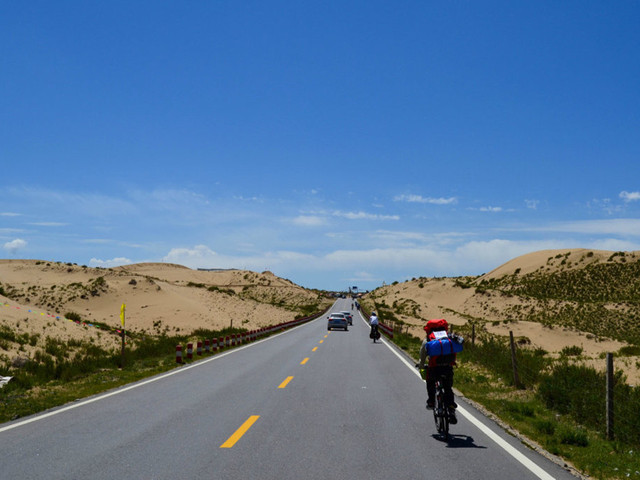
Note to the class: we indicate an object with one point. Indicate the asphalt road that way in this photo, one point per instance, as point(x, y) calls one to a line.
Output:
point(305, 404)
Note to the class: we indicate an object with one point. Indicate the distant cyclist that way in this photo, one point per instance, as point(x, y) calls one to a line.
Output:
point(373, 321)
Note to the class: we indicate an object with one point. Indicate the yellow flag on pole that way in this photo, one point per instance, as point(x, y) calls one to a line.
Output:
point(122, 314)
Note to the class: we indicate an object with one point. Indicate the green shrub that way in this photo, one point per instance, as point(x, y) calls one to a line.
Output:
point(520, 409)
point(545, 426)
point(573, 436)
point(576, 390)
point(494, 353)
point(626, 406)
point(307, 310)
point(629, 351)
point(227, 291)
point(73, 316)
point(7, 333)
point(56, 348)
point(572, 350)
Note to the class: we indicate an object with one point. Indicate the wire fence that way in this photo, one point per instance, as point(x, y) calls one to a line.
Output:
point(566, 385)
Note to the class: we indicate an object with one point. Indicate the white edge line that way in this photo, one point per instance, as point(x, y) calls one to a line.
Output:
point(120, 390)
point(530, 465)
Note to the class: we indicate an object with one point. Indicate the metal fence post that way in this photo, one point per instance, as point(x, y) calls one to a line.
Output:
point(516, 378)
point(610, 381)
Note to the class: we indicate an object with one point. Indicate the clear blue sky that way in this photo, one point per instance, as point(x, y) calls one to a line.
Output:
point(334, 143)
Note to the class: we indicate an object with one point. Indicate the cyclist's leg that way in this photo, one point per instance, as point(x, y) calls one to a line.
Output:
point(431, 388)
point(448, 387)
point(448, 393)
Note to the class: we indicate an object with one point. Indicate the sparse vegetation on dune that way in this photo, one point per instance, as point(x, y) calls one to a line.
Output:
point(599, 297)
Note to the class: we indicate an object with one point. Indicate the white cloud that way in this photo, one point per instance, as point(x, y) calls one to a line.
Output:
point(369, 267)
point(364, 216)
point(366, 277)
point(532, 204)
point(489, 254)
point(398, 237)
point(114, 262)
point(14, 245)
point(9, 214)
point(202, 256)
point(309, 221)
point(383, 258)
point(421, 199)
point(188, 219)
point(616, 226)
point(471, 258)
point(606, 205)
point(187, 255)
point(48, 224)
point(630, 196)
point(614, 245)
point(248, 199)
point(405, 239)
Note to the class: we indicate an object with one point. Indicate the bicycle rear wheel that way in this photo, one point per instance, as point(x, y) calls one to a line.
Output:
point(445, 425)
point(440, 413)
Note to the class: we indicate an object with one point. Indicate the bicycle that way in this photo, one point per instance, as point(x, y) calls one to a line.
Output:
point(440, 410)
point(375, 333)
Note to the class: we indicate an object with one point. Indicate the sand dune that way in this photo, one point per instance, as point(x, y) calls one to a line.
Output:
point(158, 297)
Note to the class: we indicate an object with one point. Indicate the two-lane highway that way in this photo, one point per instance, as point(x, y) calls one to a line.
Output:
point(307, 403)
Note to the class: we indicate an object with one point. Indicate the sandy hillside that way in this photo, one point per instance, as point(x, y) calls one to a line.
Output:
point(546, 261)
point(418, 300)
point(158, 297)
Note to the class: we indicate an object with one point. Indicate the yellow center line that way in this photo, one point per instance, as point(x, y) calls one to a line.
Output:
point(321, 341)
point(285, 382)
point(304, 361)
point(326, 335)
point(314, 349)
point(240, 432)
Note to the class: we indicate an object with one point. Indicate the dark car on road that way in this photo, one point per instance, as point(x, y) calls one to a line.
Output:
point(349, 317)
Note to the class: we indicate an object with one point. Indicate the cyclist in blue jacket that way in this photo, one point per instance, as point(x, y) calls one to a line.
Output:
point(438, 366)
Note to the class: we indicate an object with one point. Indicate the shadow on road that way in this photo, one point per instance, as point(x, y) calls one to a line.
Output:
point(458, 441)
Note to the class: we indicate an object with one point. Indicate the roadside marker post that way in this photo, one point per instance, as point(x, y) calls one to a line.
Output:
point(122, 314)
